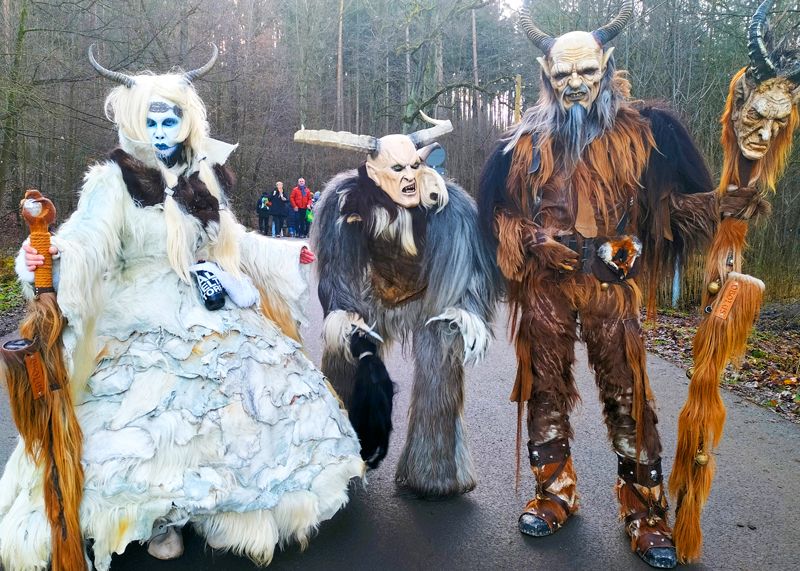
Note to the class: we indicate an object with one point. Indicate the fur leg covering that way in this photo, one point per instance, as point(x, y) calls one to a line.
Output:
point(720, 339)
point(435, 461)
point(610, 327)
point(371, 406)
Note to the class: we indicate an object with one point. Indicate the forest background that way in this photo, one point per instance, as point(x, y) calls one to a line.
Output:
point(365, 66)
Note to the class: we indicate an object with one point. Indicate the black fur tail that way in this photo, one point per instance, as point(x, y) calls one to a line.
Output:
point(371, 403)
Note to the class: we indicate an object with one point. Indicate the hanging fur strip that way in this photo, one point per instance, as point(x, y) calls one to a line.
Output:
point(42, 407)
point(732, 301)
point(721, 338)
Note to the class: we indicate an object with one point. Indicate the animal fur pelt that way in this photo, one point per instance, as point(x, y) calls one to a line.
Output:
point(371, 405)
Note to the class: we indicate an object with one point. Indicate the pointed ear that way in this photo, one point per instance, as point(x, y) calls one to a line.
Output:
point(741, 91)
point(545, 66)
point(796, 95)
point(427, 150)
point(371, 173)
point(607, 56)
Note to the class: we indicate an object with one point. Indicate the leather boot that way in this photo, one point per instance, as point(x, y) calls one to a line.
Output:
point(644, 509)
point(556, 497)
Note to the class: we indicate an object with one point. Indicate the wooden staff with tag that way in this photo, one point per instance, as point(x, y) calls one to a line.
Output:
point(40, 399)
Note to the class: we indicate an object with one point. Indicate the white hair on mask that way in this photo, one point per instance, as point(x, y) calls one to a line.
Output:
point(433, 190)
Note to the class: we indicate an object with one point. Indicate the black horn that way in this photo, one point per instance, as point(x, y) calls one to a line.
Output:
point(761, 63)
point(535, 35)
point(612, 29)
point(201, 71)
point(116, 76)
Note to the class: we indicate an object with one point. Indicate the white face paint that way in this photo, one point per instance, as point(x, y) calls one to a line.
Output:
point(396, 170)
point(164, 127)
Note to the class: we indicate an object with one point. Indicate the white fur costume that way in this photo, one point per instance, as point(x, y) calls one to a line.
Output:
point(211, 417)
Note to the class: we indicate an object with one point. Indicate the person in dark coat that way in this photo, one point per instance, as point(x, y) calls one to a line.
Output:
point(279, 209)
point(263, 210)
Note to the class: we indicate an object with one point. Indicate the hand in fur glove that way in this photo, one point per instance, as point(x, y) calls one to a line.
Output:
point(547, 254)
point(743, 203)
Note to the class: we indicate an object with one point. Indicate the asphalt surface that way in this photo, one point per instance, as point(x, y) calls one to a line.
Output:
point(750, 521)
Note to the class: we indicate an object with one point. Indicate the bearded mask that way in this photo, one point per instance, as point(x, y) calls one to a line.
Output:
point(395, 163)
point(765, 94)
point(575, 62)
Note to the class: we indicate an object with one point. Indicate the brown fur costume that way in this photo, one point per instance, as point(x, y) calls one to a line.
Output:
point(566, 242)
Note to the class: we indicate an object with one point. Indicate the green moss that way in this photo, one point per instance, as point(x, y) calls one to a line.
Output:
point(10, 291)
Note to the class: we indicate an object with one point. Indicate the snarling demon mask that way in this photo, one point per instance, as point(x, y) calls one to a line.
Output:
point(766, 93)
point(395, 163)
point(575, 62)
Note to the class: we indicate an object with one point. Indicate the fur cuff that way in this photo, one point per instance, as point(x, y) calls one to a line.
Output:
point(241, 290)
point(472, 328)
point(339, 326)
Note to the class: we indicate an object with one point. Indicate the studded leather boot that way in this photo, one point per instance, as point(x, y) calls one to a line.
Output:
point(644, 509)
point(556, 497)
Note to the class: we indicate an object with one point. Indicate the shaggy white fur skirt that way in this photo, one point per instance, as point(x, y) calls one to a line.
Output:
point(227, 426)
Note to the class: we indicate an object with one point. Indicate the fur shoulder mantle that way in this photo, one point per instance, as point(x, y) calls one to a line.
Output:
point(146, 187)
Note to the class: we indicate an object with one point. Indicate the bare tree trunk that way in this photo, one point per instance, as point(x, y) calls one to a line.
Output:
point(340, 72)
point(13, 107)
point(475, 94)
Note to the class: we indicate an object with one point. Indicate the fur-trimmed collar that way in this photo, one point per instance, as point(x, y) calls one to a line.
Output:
point(147, 187)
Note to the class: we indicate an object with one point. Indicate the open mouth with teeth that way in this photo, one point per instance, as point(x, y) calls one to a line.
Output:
point(409, 189)
point(577, 96)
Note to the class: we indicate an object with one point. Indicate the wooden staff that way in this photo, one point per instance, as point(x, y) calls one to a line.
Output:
point(40, 399)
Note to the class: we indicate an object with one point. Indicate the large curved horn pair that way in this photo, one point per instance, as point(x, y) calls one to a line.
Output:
point(367, 143)
point(603, 35)
point(762, 65)
point(129, 81)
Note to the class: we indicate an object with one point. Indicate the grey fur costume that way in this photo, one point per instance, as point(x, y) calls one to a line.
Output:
point(457, 304)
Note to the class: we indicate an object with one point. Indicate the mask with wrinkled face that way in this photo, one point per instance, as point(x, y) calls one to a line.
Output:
point(760, 113)
point(575, 66)
point(164, 127)
point(395, 168)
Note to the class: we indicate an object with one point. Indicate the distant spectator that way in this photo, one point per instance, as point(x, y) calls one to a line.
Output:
point(262, 208)
point(301, 198)
point(279, 209)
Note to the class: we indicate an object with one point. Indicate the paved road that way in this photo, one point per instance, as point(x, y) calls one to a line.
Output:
point(751, 520)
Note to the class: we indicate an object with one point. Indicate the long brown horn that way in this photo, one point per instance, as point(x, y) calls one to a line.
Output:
point(535, 35)
point(427, 136)
point(610, 30)
point(338, 140)
point(116, 76)
point(201, 71)
point(761, 64)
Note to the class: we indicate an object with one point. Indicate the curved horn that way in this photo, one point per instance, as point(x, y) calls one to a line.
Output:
point(610, 30)
point(338, 140)
point(535, 35)
point(761, 64)
point(116, 76)
point(201, 71)
point(427, 136)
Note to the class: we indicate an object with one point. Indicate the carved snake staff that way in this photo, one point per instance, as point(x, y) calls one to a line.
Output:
point(761, 115)
point(41, 403)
